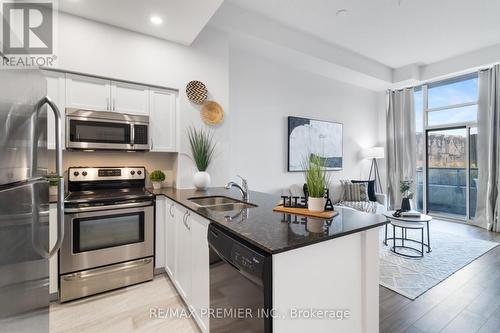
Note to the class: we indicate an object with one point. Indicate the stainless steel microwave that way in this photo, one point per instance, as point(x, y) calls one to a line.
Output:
point(87, 129)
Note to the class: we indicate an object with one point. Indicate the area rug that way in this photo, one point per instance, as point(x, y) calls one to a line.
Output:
point(412, 277)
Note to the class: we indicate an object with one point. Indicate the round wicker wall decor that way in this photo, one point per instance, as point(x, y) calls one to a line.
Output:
point(197, 92)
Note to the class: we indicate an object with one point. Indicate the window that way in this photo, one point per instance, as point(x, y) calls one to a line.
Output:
point(446, 131)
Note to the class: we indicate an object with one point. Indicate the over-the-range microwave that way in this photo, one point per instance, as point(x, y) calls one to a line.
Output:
point(88, 129)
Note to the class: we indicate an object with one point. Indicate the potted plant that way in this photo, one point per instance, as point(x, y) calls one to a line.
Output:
point(405, 187)
point(53, 179)
point(157, 177)
point(202, 150)
point(317, 183)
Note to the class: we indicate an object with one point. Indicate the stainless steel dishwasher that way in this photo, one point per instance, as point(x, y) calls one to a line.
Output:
point(240, 285)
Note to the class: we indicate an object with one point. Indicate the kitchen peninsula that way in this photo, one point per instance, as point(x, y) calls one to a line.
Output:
point(316, 275)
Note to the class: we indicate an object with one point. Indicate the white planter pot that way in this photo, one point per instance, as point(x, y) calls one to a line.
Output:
point(201, 180)
point(315, 225)
point(157, 185)
point(316, 204)
point(53, 190)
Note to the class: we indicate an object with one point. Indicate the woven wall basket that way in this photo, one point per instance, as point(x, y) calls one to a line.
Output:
point(212, 113)
point(197, 92)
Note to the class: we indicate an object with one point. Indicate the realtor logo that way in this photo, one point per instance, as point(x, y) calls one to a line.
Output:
point(27, 28)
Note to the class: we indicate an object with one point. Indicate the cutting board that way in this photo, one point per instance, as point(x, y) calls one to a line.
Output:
point(305, 212)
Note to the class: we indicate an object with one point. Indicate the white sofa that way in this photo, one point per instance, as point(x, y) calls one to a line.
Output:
point(336, 195)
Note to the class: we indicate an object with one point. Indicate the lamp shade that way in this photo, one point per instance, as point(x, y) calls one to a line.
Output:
point(374, 152)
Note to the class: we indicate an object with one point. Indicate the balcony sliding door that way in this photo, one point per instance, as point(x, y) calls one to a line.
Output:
point(446, 130)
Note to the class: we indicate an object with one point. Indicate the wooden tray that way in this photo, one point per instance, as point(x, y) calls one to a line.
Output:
point(305, 212)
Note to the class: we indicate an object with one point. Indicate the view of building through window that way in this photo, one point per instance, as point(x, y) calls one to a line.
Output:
point(446, 135)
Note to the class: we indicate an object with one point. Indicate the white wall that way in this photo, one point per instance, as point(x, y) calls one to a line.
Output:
point(263, 93)
point(94, 48)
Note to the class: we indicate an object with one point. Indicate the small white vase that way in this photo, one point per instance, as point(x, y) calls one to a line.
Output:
point(316, 204)
point(201, 180)
point(315, 225)
point(156, 185)
point(53, 190)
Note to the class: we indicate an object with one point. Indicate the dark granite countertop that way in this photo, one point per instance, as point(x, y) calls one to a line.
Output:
point(270, 231)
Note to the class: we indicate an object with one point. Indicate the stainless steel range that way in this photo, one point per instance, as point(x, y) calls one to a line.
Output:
point(109, 240)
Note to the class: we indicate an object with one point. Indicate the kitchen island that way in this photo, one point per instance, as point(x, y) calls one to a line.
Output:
point(324, 272)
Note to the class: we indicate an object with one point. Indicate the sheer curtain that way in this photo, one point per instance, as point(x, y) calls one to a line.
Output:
point(488, 154)
point(401, 142)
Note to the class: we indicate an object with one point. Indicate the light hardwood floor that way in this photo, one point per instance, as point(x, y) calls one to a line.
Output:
point(124, 310)
point(468, 301)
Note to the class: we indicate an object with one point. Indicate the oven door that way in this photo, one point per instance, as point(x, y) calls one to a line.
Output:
point(86, 133)
point(104, 235)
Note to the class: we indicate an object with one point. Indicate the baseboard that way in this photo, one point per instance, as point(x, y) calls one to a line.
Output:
point(159, 270)
point(54, 297)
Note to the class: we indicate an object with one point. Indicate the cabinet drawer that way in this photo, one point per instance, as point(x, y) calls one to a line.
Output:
point(93, 281)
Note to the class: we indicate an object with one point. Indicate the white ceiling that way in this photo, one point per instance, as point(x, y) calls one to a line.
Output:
point(414, 31)
point(182, 19)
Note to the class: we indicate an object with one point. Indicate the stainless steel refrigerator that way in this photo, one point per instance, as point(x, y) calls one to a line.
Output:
point(24, 201)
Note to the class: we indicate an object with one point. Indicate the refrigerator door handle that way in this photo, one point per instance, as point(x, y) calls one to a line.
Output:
point(59, 172)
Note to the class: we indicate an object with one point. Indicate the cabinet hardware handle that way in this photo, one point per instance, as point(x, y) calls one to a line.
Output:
point(187, 224)
point(170, 211)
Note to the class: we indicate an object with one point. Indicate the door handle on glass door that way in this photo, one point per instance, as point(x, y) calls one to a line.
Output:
point(59, 172)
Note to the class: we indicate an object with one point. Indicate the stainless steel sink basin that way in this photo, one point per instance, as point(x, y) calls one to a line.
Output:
point(230, 207)
point(212, 201)
point(221, 203)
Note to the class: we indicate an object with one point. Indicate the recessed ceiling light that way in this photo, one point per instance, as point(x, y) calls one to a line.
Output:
point(342, 12)
point(156, 20)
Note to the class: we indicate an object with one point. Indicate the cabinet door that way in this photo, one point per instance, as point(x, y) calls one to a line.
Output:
point(200, 287)
point(56, 91)
point(129, 98)
point(86, 92)
point(182, 275)
point(160, 220)
point(170, 238)
point(163, 120)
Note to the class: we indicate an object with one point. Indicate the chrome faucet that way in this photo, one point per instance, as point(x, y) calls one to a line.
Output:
point(243, 188)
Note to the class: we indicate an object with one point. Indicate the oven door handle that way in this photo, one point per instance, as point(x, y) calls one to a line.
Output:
point(108, 207)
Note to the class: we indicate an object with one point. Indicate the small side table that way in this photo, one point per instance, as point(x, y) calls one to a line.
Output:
point(404, 223)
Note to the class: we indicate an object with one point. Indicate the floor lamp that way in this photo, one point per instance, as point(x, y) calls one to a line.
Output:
point(373, 154)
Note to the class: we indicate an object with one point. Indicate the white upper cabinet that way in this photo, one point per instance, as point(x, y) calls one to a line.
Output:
point(163, 120)
point(56, 91)
point(86, 92)
point(129, 98)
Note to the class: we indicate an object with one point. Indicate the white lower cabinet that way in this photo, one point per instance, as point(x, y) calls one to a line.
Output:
point(200, 270)
point(160, 221)
point(182, 274)
point(186, 253)
point(170, 226)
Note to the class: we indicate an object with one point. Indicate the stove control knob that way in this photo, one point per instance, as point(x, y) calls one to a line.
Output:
point(76, 173)
point(139, 172)
point(84, 173)
point(132, 172)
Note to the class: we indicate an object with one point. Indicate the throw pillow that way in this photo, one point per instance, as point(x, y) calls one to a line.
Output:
point(371, 188)
point(355, 192)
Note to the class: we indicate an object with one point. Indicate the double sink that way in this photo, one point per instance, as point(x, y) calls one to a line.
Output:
point(221, 203)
